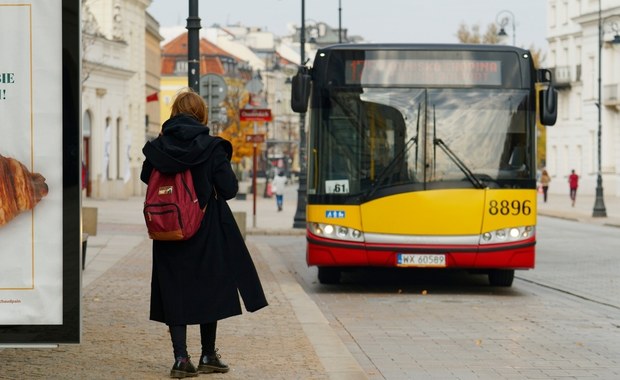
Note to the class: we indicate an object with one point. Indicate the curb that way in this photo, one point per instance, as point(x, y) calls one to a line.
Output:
point(277, 231)
point(581, 219)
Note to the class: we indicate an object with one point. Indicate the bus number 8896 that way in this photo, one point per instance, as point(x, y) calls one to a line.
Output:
point(510, 207)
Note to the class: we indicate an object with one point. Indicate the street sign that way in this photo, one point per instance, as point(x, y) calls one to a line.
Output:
point(254, 86)
point(258, 114)
point(255, 138)
point(213, 90)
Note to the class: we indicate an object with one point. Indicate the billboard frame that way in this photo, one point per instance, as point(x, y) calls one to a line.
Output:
point(69, 331)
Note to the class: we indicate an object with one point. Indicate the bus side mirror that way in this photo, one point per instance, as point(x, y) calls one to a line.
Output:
point(547, 99)
point(300, 90)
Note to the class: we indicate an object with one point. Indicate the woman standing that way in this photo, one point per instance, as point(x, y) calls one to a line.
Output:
point(198, 281)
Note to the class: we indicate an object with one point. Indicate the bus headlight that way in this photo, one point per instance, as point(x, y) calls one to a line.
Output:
point(332, 231)
point(507, 235)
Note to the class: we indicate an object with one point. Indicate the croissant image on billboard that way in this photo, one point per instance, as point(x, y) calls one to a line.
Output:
point(20, 190)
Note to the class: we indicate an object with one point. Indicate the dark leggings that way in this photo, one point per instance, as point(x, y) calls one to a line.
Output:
point(178, 334)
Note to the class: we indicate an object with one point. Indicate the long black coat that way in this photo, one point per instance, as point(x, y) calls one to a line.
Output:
point(199, 280)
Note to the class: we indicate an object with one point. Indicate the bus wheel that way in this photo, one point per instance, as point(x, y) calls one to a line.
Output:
point(501, 277)
point(329, 275)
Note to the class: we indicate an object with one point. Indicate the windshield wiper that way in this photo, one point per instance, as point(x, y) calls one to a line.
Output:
point(388, 169)
point(461, 165)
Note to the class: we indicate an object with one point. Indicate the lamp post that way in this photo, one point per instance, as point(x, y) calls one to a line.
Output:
point(503, 20)
point(193, 52)
point(599, 209)
point(599, 203)
point(299, 220)
point(339, 22)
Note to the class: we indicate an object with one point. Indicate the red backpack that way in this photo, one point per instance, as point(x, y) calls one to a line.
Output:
point(171, 209)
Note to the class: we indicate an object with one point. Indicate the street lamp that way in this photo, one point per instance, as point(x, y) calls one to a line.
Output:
point(339, 22)
point(299, 220)
point(193, 53)
point(502, 20)
point(599, 203)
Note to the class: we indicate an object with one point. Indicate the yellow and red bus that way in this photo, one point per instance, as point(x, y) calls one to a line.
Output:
point(422, 155)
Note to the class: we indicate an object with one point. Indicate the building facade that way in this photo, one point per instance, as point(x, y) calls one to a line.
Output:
point(573, 31)
point(213, 60)
point(113, 96)
point(152, 68)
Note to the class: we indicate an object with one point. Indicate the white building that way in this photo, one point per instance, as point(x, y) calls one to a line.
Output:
point(113, 95)
point(573, 35)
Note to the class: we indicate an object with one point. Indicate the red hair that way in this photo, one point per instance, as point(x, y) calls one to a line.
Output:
point(192, 104)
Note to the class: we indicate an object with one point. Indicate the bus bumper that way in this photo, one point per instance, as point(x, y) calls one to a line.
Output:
point(327, 252)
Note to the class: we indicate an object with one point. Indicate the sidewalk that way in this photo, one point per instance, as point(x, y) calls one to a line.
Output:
point(267, 219)
point(559, 206)
point(290, 339)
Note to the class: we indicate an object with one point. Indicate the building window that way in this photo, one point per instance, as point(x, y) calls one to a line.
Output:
point(566, 56)
point(563, 101)
point(593, 80)
point(580, 168)
point(565, 12)
point(594, 150)
point(566, 157)
point(180, 67)
point(553, 159)
point(107, 142)
point(119, 150)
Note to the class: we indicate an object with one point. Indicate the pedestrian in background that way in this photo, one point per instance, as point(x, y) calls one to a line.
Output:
point(544, 182)
point(277, 186)
point(573, 184)
point(198, 281)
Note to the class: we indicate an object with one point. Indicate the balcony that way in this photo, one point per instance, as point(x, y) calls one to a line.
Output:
point(562, 77)
point(611, 95)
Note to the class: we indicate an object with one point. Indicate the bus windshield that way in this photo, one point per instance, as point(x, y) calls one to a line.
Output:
point(382, 139)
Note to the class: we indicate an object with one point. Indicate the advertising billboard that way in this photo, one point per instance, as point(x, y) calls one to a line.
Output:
point(39, 172)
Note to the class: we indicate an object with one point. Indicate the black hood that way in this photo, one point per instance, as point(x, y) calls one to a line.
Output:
point(185, 143)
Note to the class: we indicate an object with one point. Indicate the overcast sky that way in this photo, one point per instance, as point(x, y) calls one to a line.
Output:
point(375, 20)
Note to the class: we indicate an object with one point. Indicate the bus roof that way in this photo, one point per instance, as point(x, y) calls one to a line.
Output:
point(412, 46)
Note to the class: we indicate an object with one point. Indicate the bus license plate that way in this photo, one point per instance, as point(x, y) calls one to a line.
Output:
point(423, 260)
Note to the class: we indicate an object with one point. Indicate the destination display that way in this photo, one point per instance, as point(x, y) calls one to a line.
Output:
point(424, 72)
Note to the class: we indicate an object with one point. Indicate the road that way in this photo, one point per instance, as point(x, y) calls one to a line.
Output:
point(561, 320)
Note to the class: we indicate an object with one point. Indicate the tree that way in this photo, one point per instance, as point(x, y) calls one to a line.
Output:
point(91, 35)
point(466, 35)
point(472, 36)
point(236, 130)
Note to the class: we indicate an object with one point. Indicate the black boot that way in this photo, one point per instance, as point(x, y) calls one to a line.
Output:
point(183, 368)
point(210, 363)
